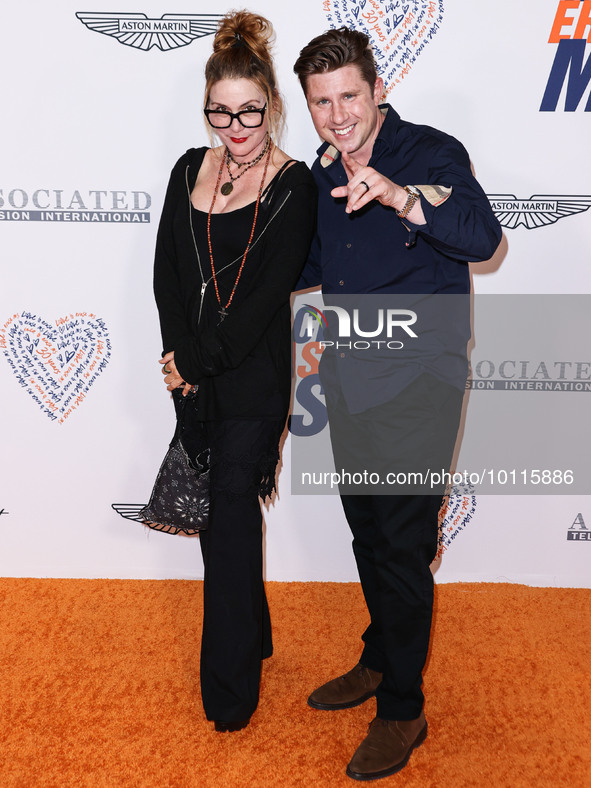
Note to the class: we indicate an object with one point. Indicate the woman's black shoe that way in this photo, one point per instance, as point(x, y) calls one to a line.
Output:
point(223, 726)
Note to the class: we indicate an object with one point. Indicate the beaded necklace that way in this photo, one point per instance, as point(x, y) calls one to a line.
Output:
point(229, 185)
point(223, 311)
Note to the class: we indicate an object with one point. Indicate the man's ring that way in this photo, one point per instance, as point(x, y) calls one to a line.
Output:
point(365, 184)
point(166, 370)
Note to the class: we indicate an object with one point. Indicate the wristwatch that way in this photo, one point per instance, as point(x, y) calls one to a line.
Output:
point(413, 195)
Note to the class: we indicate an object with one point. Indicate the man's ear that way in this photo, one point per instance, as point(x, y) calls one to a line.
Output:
point(378, 91)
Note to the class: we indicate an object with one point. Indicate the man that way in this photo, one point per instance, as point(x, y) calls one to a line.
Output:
point(399, 213)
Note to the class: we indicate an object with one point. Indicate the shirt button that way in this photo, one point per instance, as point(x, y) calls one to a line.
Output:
point(348, 246)
point(342, 355)
point(341, 283)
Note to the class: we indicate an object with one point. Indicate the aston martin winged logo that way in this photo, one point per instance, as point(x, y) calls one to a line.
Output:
point(171, 31)
point(538, 211)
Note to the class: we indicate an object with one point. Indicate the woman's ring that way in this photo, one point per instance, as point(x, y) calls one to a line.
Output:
point(166, 370)
point(365, 184)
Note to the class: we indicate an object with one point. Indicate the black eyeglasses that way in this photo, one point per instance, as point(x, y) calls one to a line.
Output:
point(249, 118)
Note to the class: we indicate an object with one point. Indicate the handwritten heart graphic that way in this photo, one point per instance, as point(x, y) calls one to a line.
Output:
point(399, 30)
point(454, 517)
point(56, 365)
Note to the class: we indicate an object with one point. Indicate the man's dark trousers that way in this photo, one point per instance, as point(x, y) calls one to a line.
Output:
point(395, 537)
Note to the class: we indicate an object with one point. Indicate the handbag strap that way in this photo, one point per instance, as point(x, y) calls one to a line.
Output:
point(181, 409)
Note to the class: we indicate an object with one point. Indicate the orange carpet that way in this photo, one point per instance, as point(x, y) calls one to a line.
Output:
point(100, 687)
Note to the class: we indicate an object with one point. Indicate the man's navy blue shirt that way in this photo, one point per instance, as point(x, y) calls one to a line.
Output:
point(373, 251)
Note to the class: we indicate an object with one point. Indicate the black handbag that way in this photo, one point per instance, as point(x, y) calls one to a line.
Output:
point(179, 502)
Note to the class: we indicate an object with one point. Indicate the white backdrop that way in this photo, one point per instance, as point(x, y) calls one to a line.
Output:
point(91, 126)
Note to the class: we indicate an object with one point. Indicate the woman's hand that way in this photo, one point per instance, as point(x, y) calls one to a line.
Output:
point(172, 378)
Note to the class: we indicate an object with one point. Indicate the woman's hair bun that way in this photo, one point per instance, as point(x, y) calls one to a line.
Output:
point(243, 29)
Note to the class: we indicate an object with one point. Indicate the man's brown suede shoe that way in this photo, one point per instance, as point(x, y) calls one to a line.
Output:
point(346, 691)
point(387, 747)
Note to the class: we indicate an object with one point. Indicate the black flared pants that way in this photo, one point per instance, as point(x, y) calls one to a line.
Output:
point(236, 623)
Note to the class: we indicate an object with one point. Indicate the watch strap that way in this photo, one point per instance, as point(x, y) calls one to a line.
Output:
point(413, 196)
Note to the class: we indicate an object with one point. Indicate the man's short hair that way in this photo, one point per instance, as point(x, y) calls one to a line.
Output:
point(335, 49)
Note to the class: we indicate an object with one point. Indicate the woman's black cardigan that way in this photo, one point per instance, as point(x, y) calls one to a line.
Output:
point(242, 364)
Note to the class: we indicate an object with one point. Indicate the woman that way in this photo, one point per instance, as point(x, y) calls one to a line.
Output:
point(233, 238)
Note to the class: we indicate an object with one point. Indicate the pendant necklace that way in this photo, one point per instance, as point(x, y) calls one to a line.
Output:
point(223, 311)
point(228, 186)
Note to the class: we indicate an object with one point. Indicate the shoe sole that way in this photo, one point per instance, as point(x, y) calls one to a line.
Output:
point(230, 727)
point(338, 706)
point(392, 769)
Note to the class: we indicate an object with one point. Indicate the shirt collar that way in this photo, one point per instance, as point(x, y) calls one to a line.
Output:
point(328, 154)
